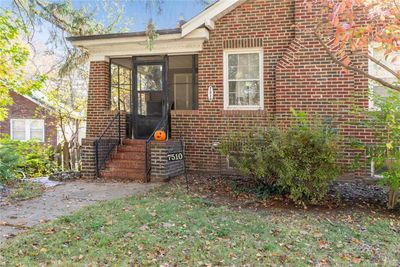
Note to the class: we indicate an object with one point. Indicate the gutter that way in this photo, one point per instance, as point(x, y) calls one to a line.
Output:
point(121, 35)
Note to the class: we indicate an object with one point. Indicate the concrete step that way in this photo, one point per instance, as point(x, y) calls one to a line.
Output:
point(125, 163)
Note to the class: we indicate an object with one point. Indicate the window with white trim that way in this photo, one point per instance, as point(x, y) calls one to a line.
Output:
point(392, 61)
point(26, 129)
point(243, 79)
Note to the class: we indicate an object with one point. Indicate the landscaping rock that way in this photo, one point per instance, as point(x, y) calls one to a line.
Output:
point(359, 192)
point(65, 176)
point(45, 181)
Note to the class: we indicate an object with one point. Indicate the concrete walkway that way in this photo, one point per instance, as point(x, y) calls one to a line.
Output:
point(62, 200)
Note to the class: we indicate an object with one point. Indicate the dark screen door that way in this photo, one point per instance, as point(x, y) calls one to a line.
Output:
point(149, 96)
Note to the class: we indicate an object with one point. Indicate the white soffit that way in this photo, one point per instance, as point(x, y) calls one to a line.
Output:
point(210, 15)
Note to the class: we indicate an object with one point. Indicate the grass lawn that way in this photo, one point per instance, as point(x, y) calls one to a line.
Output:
point(168, 227)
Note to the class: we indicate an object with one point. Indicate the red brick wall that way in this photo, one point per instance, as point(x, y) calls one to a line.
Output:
point(308, 80)
point(271, 21)
point(23, 108)
point(297, 73)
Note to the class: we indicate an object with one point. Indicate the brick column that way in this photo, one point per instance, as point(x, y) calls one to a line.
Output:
point(161, 168)
point(88, 159)
point(98, 110)
point(99, 114)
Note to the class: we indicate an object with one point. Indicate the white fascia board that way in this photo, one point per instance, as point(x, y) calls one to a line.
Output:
point(102, 53)
point(98, 42)
point(209, 15)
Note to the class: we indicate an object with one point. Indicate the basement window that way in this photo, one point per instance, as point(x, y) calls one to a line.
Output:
point(243, 79)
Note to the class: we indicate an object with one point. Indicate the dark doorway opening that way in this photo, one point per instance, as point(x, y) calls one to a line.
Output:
point(150, 100)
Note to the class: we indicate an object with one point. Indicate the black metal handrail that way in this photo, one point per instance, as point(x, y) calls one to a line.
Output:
point(161, 125)
point(107, 141)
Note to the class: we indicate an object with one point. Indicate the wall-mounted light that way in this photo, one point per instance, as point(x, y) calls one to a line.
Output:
point(210, 93)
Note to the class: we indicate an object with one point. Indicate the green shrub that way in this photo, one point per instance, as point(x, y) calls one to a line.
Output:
point(9, 161)
point(36, 159)
point(301, 160)
point(385, 152)
point(310, 161)
point(255, 153)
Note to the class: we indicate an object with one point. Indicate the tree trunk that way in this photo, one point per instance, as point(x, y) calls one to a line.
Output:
point(67, 156)
point(392, 198)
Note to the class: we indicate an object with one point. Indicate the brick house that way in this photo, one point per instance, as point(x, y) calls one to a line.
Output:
point(29, 119)
point(236, 65)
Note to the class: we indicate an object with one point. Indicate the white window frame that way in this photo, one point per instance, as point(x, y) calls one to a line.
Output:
point(375, 70)
point(373, 174)
point(27, 123)
point(260, 53)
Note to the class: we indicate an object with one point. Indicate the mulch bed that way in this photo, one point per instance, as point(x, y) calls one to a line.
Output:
point(342, 196)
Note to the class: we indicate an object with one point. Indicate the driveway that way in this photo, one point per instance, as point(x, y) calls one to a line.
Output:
point(62, 200)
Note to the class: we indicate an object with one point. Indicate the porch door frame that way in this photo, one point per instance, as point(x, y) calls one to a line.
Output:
point(164, 94)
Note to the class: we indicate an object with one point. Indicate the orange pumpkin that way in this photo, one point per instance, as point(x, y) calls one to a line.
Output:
point(160, 135)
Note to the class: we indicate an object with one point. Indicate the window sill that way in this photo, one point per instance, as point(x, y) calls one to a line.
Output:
point(240, 108)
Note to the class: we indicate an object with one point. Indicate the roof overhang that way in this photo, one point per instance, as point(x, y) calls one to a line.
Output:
point(101, 47)
point(208, 16)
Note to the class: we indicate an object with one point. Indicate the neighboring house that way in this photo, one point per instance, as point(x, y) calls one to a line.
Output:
point(236, 65)
point(29, 119)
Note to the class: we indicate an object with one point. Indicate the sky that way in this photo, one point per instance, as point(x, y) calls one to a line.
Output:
point(136, 11)
point(171, 10)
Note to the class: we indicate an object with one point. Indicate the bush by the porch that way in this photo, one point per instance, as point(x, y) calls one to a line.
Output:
point(301, 160)
point(33, 158)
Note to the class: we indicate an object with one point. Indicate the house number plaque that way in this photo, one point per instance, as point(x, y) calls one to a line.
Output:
point(210, 93)
point(175, 156)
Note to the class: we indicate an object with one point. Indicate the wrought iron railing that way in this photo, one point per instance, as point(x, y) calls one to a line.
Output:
point(109, 139)
point(162, 125)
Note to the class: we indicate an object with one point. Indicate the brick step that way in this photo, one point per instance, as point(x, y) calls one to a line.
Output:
point(123, 174)
point(133, 142)
point(137, 156)
point(131, 148)
point(125, 163)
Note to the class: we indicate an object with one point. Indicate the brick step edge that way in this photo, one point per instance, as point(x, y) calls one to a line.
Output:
point(125, 164)
point(122, 175)
point(133, 142)
point(131, 148)
point(122, 155)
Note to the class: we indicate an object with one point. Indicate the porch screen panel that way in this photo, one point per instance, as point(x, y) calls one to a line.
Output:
point(121, 83)
point(149, 88)
point(183, 82)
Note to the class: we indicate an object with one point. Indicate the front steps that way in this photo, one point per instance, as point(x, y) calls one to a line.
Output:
point(127, 163)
